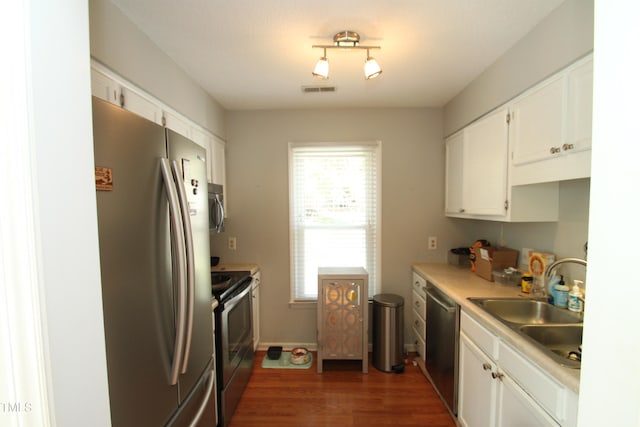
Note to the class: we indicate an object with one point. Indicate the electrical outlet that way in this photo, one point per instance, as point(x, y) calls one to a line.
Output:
point(232, 243)
point(433, 243)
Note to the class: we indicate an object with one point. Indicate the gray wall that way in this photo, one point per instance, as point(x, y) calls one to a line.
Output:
point(412, 158)
point(258, 208)
point(564, 36)
point(118, 44)
point(564, 238)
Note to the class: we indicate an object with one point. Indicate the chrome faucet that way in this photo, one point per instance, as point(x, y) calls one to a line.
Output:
point(553, 265)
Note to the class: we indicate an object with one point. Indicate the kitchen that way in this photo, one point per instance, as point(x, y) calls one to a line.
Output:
point(397, 271)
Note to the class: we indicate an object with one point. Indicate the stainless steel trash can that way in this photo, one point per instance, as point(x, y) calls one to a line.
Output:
point(388, 332)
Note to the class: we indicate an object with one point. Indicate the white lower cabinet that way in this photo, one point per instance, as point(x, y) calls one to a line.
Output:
point(255, 309)
point(516, 408)
point(419, 314)
point(477, 389)
point(499, 387)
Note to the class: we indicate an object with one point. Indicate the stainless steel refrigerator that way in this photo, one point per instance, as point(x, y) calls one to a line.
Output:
point(151, 191)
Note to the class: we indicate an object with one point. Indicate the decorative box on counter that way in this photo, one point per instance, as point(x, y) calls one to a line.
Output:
point(490, 258)
point(538, 263)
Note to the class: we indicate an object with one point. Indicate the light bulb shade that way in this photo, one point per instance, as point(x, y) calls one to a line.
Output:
point(371, 68)
point(322, 68)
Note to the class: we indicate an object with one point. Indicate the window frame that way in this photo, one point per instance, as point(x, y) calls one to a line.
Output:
point(374, 285)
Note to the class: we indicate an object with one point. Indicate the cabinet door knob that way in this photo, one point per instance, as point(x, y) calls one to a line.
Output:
point(497, 375)
point(486, 366)
point(567, 147)
point(554, 150)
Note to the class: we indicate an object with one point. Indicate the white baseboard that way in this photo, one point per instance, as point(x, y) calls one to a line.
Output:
point(263, 346)
point(287, 346)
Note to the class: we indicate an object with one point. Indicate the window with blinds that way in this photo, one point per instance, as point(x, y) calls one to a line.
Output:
point(334, 197)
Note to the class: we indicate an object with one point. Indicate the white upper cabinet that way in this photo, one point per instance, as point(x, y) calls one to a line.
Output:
point(507, 165)
point(579, 107)
point(201, 137)
point(217, 161)
point(113, 91)
point(105, 88)
point(454, 155)
point(537, 126)
point(204, 139)
point(215, 148)
point(140, 105)
point(485, 165)
point(477, 177)
point(177, 123)
point(476, 161)
point(550, 132)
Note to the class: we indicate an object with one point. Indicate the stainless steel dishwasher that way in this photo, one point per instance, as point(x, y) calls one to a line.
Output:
point(443, 326)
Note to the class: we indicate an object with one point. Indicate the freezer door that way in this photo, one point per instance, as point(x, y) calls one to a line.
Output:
point(199, 408)
point(190, 160)
point(133, 226)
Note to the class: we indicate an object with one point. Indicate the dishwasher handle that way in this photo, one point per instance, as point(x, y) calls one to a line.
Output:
point(447, 308)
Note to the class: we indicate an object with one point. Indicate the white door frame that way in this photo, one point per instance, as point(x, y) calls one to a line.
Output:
point(52, 357)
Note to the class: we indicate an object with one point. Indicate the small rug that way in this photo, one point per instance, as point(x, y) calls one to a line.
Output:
point(284, 362)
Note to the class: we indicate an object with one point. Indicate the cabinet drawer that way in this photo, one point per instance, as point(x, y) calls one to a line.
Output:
point(419, 325)
point(547, 392)
point(419, 305)
point(479, 335)
point(420, 286)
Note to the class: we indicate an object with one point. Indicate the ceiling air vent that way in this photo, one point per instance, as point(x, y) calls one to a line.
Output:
point(318, 89)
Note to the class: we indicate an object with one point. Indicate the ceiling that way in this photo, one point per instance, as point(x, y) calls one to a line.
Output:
point(256, 54)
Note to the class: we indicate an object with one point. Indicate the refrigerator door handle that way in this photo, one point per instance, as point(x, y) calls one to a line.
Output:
point(178, 240)
point(191, 270)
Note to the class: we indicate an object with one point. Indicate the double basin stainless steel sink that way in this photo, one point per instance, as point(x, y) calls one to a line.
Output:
point(556, 331)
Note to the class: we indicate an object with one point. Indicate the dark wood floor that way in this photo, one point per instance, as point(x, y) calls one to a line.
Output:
point(341, 396)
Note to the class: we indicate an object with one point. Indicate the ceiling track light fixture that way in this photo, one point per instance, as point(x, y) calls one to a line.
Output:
point(346, 40)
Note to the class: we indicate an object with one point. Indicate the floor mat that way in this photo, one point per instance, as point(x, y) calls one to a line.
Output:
point(284, 362)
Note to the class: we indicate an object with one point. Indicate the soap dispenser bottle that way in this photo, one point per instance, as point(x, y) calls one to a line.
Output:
point(576, 297)
point(561, 294)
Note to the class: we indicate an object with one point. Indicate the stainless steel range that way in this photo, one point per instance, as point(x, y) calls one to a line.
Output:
point(233, 342)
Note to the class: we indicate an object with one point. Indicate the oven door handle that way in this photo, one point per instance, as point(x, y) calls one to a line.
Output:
point(177, 239)
point(235, 298)
point(188, 240)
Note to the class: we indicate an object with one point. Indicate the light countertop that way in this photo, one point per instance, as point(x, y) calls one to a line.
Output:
point(253, 268)
point(460, 284)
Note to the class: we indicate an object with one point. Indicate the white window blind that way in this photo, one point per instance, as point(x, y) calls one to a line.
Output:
point(334, 200)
